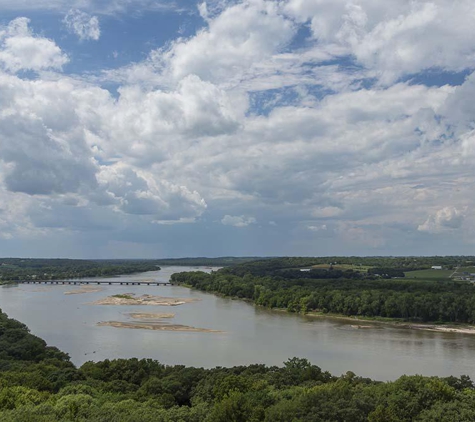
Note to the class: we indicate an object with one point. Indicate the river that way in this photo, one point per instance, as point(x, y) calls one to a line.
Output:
point(248, 334)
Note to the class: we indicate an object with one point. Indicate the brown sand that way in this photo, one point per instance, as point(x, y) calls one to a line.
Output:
point(143, 300)
point(83, 290)
point(136, 315)
point(156, 326)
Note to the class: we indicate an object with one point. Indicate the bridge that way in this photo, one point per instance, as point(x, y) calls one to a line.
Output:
point(110, 283)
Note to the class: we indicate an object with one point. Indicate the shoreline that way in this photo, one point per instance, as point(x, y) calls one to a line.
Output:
point(408, 325)
point(442, 327)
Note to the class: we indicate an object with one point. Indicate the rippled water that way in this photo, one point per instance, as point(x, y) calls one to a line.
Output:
point(250, 335)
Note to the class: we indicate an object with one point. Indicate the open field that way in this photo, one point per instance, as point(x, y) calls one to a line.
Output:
point(469, 270)
point(429, 274)
point(344, 267)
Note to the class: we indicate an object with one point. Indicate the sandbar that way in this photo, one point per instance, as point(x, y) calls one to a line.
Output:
point(132, 299)
point(137, 315)
point(83, 290)
point(460, 329)
point(156, 326)
point(444, 328)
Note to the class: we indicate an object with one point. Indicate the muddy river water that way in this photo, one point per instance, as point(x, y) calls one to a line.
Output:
point(234, 332)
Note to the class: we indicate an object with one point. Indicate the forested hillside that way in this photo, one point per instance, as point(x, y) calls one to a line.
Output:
point(39, 384)
point(12, 269)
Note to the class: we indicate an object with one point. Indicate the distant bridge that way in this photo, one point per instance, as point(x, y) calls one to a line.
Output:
point(111, 283)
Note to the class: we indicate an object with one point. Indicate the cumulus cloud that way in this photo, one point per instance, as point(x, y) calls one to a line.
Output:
point(394, 38)
point(448, 218)
point(51, 138)
point(236, 39)
point(20, 49)
point(235, 121)
point(237, 221)
point(85, 26)
point(139, 193)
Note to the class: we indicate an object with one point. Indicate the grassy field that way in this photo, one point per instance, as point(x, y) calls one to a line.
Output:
point(429, 274)
point(469, 270)
point(343, 267)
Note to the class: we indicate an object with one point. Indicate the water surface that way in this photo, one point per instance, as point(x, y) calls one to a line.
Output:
point(250, 334)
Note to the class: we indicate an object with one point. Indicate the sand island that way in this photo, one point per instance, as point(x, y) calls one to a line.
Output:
point(132, 299)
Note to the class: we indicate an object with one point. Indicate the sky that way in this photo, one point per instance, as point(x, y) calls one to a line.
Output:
point(153, 129)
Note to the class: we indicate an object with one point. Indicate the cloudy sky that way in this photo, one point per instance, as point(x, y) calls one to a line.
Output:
point(141, 128)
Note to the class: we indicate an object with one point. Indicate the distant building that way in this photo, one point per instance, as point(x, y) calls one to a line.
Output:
point(304, 269)
point(436, 267)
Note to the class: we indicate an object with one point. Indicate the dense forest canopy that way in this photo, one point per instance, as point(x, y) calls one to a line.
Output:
point(378, 290)
point(204, 261)
point(39, 384)
point(12, 269)
point(361, 264)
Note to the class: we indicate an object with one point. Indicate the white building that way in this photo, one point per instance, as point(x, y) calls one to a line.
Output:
point(436, 267)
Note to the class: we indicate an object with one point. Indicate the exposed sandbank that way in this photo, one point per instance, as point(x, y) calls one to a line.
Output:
point(137, 315)
point(132, 299)
point(156, 326)
point(83, 290)
point(443, 328)
point(446, 328)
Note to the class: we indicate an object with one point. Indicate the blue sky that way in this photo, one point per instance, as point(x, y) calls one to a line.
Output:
point(140, 128)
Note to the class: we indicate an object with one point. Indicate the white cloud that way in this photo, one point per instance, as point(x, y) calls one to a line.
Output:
point(108, 7)
point(237, 221)
point(138, 192)
point(85, 26)
point(185, 139)
point(448, 218)
point(236, 39)
point(395, 37)
point(20, 49)
point(313, 228)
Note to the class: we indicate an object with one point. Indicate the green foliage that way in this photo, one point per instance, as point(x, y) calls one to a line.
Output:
point(271, 267)
point(431, 301)
point(14, 269)
point(45, 387)
point(123, 296)
point(224, 261)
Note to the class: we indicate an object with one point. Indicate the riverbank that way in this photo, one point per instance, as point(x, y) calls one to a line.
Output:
point(412, 304)
point(442, 327)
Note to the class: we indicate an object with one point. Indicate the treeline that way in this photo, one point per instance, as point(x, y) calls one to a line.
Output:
point(387, 272)
point(270, 266)
point(39, 384)
point(13, 269)
point(224, 261)
point(318, 273)
point(429, 301)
